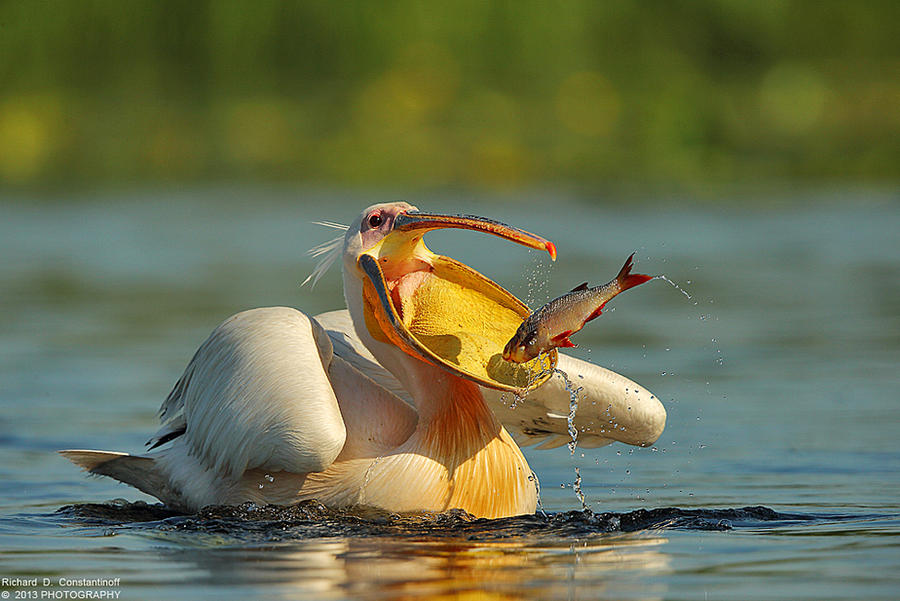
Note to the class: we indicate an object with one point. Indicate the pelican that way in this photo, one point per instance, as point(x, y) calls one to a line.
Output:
point(401, 401)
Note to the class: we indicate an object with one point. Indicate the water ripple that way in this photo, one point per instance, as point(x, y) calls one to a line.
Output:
point(311, 519)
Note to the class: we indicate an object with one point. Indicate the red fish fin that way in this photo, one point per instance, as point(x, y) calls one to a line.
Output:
point(596, 313)
point(579, 287)
point(627, 279)
point(562, 339)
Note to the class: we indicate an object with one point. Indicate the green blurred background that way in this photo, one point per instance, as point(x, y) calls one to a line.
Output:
point(474, 94)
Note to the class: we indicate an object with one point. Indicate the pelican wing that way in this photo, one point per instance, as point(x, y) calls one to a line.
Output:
point(257, 395)
point(348, 346)
point(610, 407)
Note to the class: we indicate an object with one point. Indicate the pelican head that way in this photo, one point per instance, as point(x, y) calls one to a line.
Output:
point(431, 307)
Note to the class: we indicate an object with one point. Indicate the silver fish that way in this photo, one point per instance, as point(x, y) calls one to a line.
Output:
point(550, 326)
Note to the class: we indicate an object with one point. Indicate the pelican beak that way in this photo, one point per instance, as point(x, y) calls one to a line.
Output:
point(441, 311)
point(415, 221)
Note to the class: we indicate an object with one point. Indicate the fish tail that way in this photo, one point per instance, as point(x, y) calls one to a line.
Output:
point(626, 279)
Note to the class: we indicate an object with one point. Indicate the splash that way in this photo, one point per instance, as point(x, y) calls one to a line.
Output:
point(269, 478)
point(362, 491)
point(517, 397)
point(537, 487)
point(537, 278)
point(576, 487)
point(677, 287)
point(573, 431)
point(573, 408)
point(254, 523)
point(704, 317)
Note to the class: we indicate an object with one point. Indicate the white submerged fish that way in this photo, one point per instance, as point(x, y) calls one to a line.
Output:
point(550, 326)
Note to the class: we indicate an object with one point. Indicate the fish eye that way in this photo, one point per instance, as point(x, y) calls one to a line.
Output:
point(375, 220)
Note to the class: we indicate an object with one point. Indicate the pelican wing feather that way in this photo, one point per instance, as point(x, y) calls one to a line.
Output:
point(257, 395)
point(347, 346)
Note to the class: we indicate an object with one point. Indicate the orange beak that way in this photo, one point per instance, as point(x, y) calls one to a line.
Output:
point(413, 220)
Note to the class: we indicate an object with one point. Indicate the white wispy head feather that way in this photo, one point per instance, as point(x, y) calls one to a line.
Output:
point(326, 252)
point(332, 224)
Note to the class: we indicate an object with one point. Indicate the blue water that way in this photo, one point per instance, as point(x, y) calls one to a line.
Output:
point(779, 374)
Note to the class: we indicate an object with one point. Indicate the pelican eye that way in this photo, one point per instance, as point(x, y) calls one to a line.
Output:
point(375, 220)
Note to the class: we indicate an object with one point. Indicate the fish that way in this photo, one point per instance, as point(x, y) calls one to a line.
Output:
point(550, 326)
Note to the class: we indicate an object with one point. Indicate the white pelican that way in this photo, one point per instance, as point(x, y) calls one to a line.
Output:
point(400, 402)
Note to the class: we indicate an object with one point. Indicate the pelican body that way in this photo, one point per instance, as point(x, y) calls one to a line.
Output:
point(397, 402)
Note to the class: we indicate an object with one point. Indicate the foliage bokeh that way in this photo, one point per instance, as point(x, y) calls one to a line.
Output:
point(471, 93)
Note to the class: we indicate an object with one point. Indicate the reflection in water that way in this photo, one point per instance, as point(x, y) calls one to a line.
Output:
point(401, 569)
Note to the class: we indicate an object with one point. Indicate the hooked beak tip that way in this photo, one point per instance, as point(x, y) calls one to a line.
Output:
point(551, 248)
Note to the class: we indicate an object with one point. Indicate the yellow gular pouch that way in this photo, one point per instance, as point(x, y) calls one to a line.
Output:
point(460, 320)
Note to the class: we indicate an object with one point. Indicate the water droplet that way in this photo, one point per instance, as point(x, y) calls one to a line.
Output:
point(537, 487)
point(573, 408)
point(676, 286)
point(576, 486)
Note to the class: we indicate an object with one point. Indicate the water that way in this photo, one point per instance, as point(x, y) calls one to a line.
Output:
point(777, 477)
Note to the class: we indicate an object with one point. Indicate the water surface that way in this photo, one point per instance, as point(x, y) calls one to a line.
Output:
point(777, 477)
